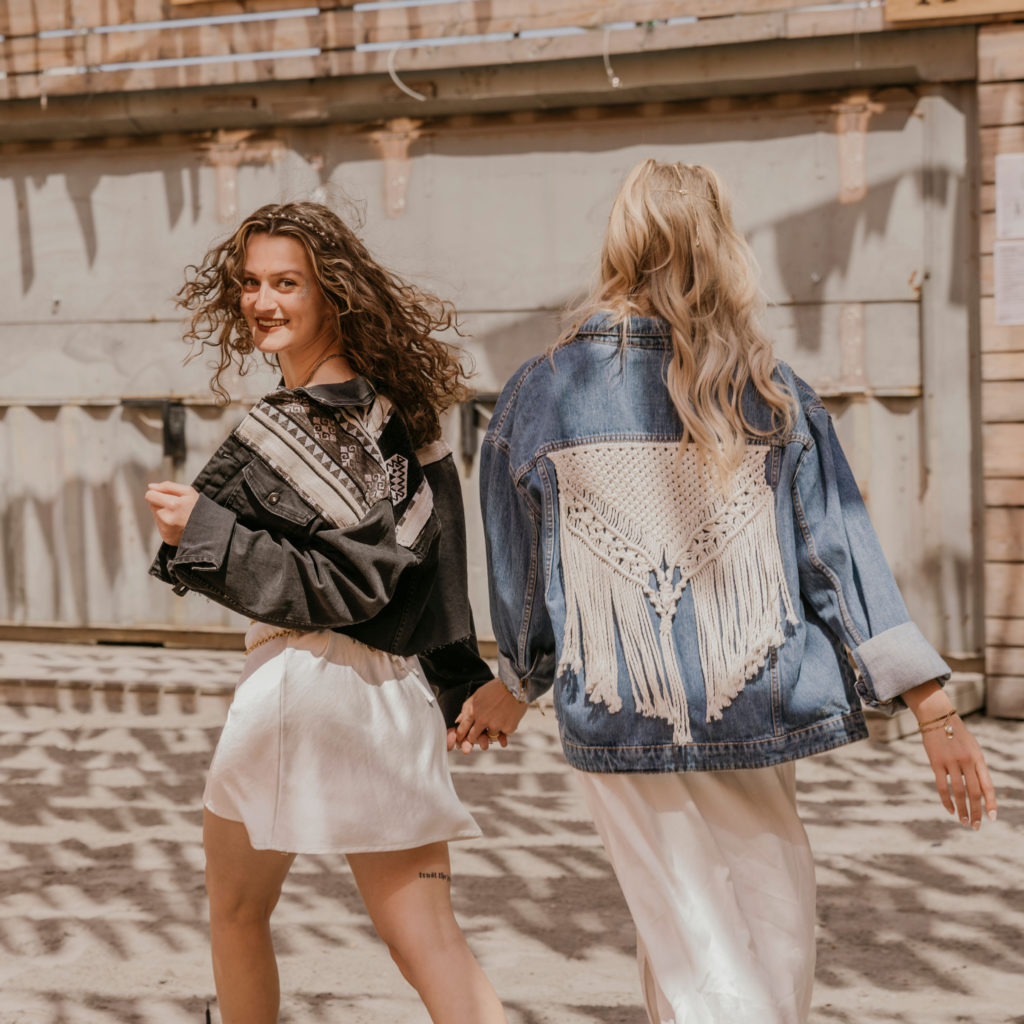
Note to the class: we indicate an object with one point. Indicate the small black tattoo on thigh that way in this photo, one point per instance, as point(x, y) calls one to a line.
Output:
point(436, 874)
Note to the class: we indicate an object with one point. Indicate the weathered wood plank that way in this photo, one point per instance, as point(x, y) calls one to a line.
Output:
point(944, 11)
point(342, 62)
point(999, 337)
point(1002, 401)
point(986, 232)
point(1003, 449)
point(1007, 491)
point(1004, 534)
point(1002, 366)
point(27, 17)
point(470, 19)
point(1004, 632)
point(1001, 103)
point(1004, 590)
point(1004, 661)
point(988, 197)
point(1004, 696)
point(27, 54)
point(1004, 139)
point(1000, 53)
point(987, 273)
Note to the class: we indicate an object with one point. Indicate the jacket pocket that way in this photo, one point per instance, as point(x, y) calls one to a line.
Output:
point(273, 502)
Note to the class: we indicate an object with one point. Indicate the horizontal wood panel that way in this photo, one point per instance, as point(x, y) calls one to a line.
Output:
point(1000, 53)
point(1001, 103)
point(987, 273)
point(1005, 661)
point(939, 11)
point(1003, 449)
point(999, 337)
point(1008, 491)
point(987, 232)
point(1002, 366)
point(1004, 696)
point(347, 61)
point(1004, 534)
point(28, 17)
point(1004, 590)
point(1006, 139)
point(1002, 401)
point(1000, 632)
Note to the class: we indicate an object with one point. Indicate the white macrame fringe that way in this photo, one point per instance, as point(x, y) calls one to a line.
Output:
point(725, 546)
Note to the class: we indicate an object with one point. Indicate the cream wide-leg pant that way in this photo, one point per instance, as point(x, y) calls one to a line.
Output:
point(718, 876)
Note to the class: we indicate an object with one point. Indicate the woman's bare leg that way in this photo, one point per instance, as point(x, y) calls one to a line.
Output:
point(243, 885)
point(407, 893)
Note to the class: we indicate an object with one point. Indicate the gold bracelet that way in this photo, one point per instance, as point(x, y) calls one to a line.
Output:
point(942, 722)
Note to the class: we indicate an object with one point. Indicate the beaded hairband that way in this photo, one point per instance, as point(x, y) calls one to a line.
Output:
point(307, 224)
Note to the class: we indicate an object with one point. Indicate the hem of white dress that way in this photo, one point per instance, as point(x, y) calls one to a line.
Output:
point(405, 844)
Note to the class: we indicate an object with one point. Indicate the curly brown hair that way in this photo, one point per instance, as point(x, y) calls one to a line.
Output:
point(384, 324)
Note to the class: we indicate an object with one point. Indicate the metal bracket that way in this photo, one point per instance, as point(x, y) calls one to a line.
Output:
point(172, 414)
point(472, 416)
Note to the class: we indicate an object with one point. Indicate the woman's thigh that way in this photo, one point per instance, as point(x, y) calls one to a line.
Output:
point(408, 894)
point(241, 881)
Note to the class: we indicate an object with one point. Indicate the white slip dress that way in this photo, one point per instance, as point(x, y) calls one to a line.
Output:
point(718, 876)
point(331, 746)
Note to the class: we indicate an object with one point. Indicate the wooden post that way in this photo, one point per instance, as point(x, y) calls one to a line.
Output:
point(1001, 116)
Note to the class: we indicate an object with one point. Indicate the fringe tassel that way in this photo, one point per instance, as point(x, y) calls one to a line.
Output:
point(730, 555)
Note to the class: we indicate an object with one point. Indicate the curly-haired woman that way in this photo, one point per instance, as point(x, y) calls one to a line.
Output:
point(676, 543)
point(332, 517)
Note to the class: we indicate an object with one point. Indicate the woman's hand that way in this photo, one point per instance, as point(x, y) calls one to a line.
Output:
point(171, 505)
point(961, 775)
point(492, 713)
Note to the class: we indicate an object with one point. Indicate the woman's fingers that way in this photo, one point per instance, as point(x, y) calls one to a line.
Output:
point(988, 789)
point(170, 487)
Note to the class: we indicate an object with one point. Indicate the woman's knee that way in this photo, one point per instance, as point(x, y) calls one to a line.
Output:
point(232, 903)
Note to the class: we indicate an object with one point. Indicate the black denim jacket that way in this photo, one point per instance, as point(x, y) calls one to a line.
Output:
point(316, 513)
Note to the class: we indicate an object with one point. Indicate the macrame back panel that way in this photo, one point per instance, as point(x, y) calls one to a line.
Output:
point(640, 522)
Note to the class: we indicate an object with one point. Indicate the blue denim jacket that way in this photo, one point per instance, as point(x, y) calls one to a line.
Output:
point(684, 628)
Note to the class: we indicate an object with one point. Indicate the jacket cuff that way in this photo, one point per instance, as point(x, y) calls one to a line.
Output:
point(524, 690)
point(896, 661)
point(204, 542)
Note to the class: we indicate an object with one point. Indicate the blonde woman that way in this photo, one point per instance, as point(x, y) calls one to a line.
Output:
point(677, 544)
point(332, 517)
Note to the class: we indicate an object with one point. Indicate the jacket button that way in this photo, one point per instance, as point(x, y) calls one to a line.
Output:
point(273, 498)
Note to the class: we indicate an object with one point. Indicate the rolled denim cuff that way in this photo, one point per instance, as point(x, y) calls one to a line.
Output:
point(204, 542)
point(896, 661)
point(522, 689)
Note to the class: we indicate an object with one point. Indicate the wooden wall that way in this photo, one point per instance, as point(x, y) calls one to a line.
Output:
point(1001, 117)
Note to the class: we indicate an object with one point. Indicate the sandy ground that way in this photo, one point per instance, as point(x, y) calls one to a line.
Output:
point(102, 904)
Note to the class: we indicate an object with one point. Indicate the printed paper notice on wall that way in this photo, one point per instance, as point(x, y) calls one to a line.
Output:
point(1010, 195)
point(1008, 251)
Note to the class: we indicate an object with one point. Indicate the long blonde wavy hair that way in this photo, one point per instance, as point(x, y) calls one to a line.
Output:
point(671, 250)
point(383, 324)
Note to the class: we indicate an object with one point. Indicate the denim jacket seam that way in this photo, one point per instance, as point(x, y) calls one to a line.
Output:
point(818, 564)
point(529, 597)
point(853, 713)
point(511, 400)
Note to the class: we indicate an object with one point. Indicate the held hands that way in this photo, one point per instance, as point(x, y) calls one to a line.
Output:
point(961, 775)
point(490, 715)
point(171, 505)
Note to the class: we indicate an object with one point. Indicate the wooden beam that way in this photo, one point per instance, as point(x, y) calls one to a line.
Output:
point(344, 62)
point(944, 11)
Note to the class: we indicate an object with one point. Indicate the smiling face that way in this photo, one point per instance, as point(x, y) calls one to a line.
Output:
point(281, 301)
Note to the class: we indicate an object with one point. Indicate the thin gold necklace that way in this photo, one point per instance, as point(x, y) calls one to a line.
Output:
point(312, 373)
